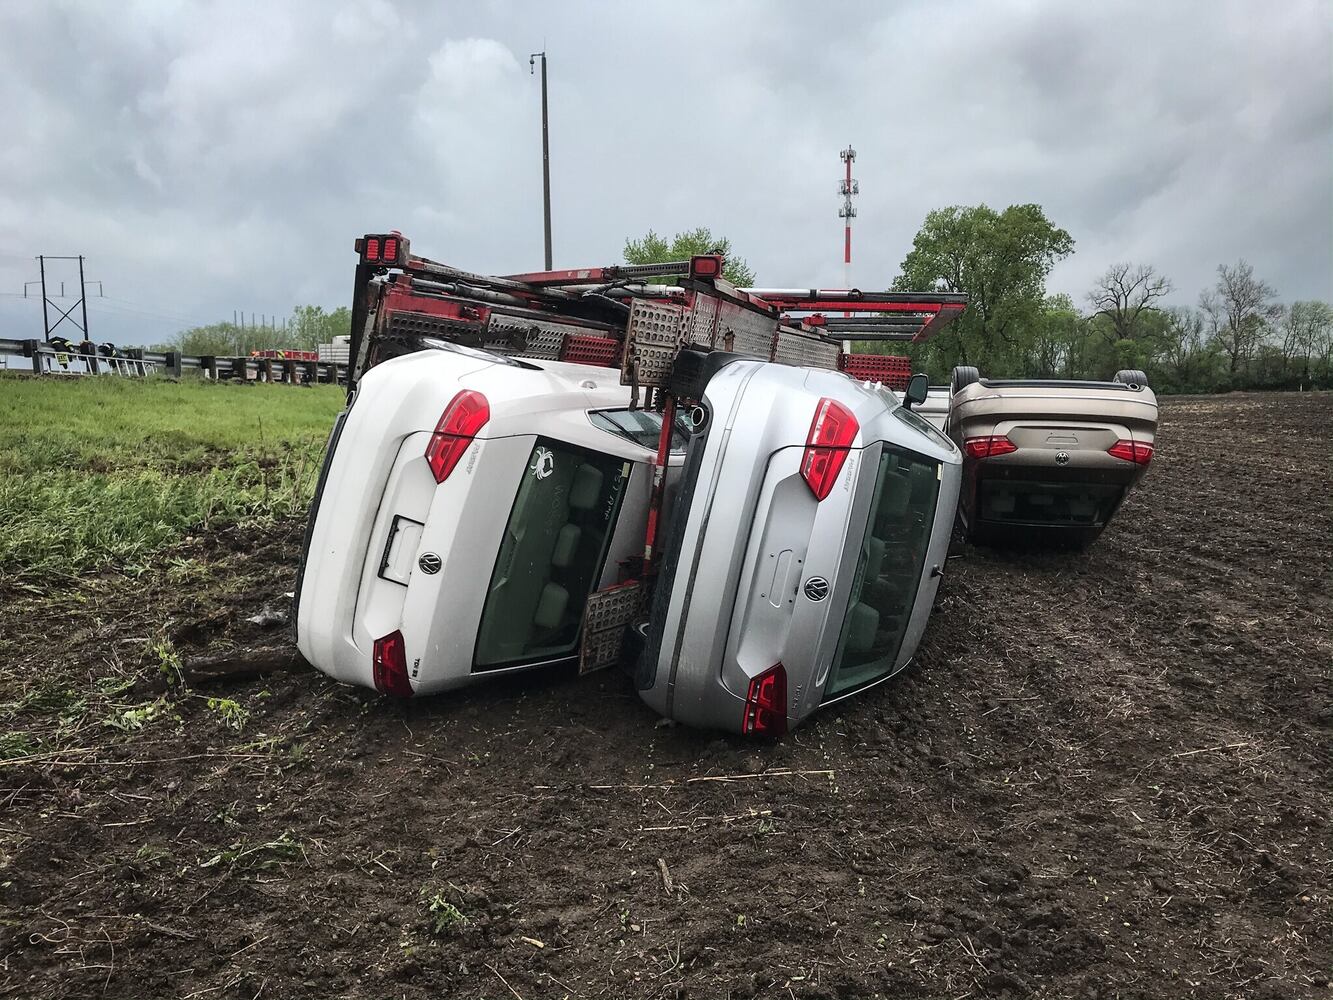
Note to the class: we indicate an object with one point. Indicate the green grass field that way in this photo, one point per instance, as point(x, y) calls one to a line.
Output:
point(106, 471)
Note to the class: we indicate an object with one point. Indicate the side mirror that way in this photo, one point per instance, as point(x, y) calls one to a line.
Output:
point(917, 390)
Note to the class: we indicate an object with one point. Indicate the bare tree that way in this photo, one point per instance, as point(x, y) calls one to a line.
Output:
point(1124, 292)
point(1239, 308)
point(1304, 326)
point(1184, 348)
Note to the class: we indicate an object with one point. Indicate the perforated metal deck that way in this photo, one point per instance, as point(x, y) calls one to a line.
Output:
point(605, 617)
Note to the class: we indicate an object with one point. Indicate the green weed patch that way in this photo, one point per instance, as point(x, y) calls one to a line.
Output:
point(107, 471)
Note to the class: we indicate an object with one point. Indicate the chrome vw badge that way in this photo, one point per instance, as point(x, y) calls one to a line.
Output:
point(1062, 458)
point(430, 563)
point(816, 588)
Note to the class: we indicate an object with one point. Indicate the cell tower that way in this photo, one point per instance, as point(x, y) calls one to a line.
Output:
point(848, 189)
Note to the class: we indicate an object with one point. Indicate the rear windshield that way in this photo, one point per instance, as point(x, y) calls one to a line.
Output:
point(893, 553)
point(643, 427)
point(550, 556)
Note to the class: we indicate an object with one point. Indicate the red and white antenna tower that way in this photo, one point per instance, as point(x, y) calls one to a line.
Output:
point(849, 189)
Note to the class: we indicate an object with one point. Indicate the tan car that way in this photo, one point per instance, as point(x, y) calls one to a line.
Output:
point(1048, 461)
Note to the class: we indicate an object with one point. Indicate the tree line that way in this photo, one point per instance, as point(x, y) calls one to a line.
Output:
point(304, 330)
point(1238, 336)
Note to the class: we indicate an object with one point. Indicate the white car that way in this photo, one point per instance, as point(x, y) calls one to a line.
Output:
point(468, 505)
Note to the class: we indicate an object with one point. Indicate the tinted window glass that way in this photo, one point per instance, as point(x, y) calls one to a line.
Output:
point(893, 553)
point(643, 427)
point(550, 556)
point(923, 425)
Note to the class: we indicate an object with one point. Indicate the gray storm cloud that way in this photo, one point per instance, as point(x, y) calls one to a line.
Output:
point(219, 156)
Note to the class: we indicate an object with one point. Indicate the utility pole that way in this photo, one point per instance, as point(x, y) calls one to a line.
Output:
point(83, 298)
point(46, 323)
point(546, 154)
point(848, 189)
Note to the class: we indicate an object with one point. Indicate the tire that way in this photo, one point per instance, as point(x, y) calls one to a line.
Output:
point(1132, 377)
point(963, 376)
point(693, 370)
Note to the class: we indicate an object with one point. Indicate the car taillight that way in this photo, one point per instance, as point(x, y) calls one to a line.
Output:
point(988, 447)
point(831, 433)
point(389, 659)
point(766, 703)
point(1132, 451)
point(466, 414)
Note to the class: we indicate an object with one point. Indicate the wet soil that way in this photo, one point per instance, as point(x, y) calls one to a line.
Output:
point(1107, 775)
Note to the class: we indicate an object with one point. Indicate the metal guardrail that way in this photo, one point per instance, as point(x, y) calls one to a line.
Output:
point(39, 358)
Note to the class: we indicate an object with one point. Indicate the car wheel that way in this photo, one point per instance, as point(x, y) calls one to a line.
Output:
point(963, 376)
point(694, 369)
point(1132, 377)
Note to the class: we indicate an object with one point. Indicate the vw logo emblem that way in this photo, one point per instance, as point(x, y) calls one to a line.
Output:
point(816, 588)
point(430, 563)
point(1062, 458)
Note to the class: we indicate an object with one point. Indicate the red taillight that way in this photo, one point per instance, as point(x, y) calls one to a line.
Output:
point(372, 248)
point(1131, 451)
point(466, 414)
point(766, 703)
point(988, 447)
point(390, 662)
point(390, 250)
point(831, 433)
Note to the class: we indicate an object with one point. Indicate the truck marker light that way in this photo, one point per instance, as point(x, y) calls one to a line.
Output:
point(706, 266)
point(466, 414)
point(389, 660)
point(372, 248)
point(831, 433)
point(766, 703)
point(390, 250)
point(988, 447)
point(1132, 451)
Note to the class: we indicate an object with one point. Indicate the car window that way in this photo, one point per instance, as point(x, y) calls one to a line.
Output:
point(893, 552)
point(643, 427)
point(550, 556)
point(923, 425)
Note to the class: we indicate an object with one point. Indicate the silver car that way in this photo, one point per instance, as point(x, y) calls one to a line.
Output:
point(810, 531)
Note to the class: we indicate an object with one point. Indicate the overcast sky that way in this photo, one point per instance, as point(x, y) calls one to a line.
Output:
point(211, 157)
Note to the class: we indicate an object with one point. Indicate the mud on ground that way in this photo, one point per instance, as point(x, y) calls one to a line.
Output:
point(1106, 776)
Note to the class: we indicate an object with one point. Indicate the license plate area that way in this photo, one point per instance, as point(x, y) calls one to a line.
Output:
point(400, 550)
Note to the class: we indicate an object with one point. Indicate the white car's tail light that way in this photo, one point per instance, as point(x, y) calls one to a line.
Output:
point(831, 433)
point(389, 659)
point(466, 414)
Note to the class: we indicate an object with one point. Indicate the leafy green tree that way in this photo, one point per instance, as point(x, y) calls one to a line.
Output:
point(653, 249)
point(308, 327)
point(1057, 336)
point(1001, 259)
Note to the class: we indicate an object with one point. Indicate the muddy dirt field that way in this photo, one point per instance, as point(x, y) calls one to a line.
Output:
point(1107, 775)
